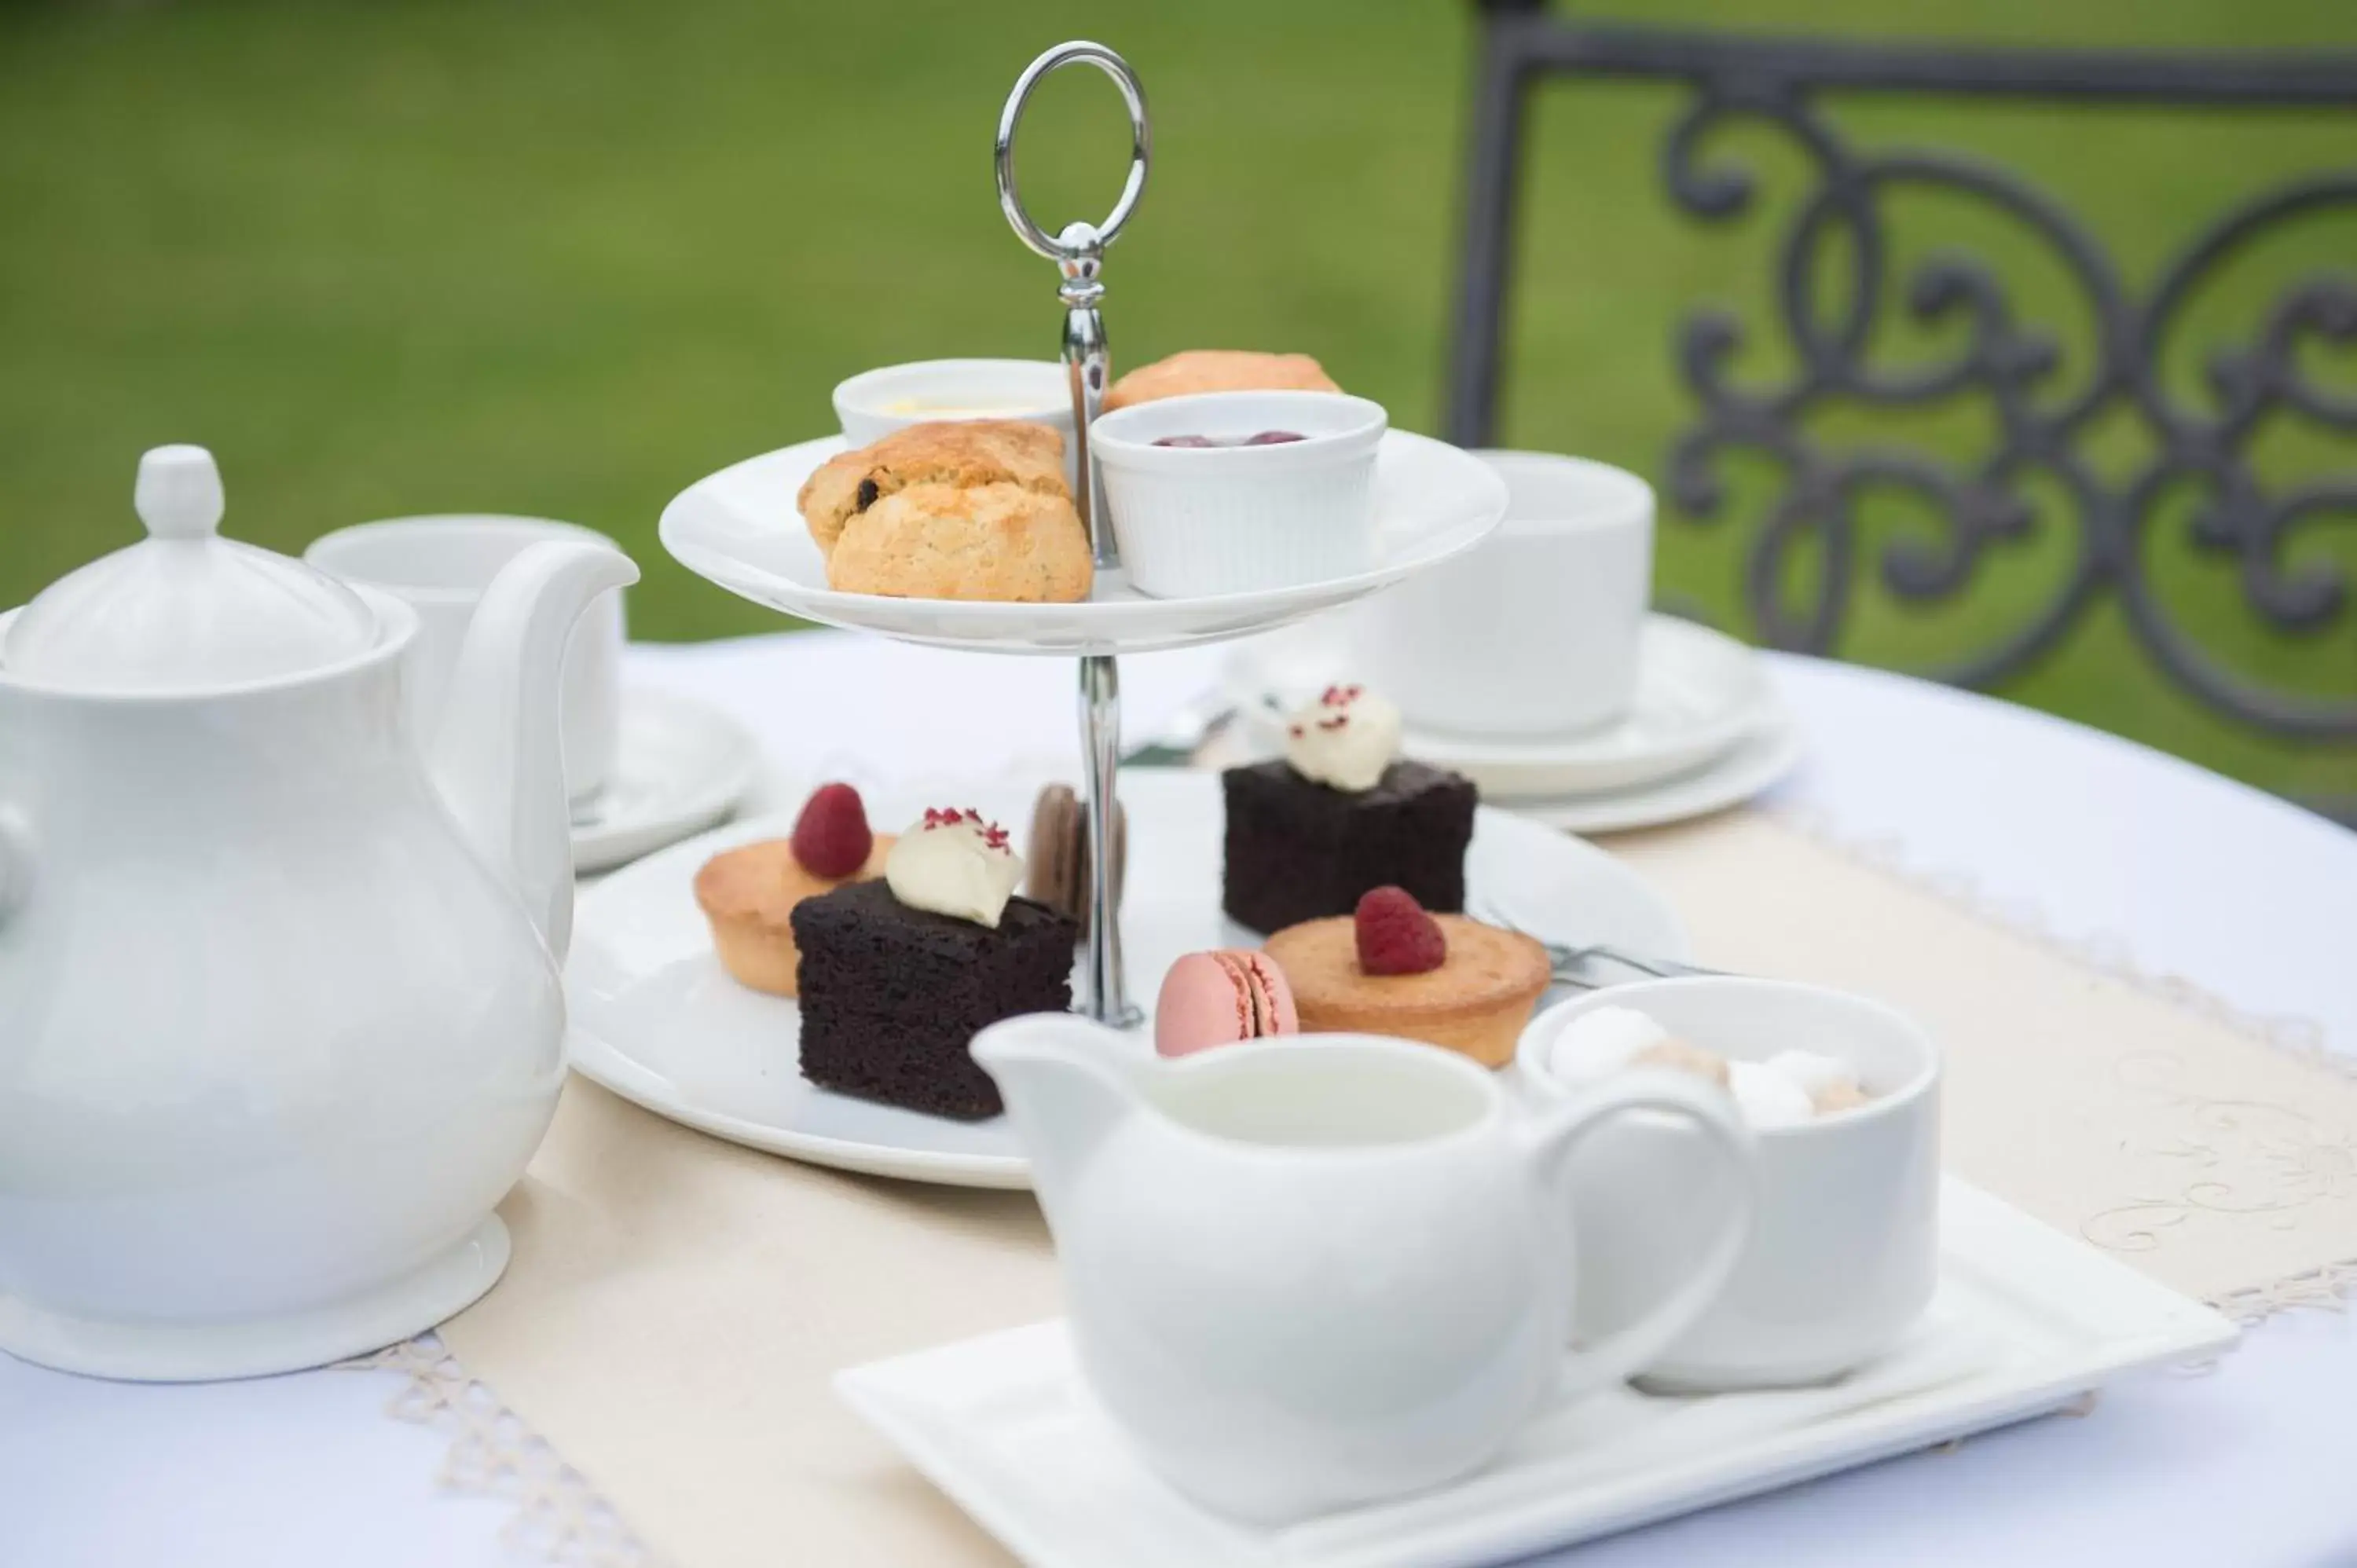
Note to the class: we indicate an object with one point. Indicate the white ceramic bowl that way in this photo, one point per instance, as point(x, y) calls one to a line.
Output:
point(874, 403)
point(1844, 1252)
point(1192, 522)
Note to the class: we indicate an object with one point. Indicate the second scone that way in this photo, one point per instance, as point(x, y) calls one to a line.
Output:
point(1218, 370)
point(965, 542)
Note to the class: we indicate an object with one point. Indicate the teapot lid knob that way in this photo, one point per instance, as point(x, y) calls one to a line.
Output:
point(179, 495)
point(183, 611)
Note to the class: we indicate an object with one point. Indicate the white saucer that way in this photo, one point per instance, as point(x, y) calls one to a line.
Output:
point(1698, 692)
point(657, 1021)
point(740, 529)
point(1757, 762)
point(2027, 1320)
point(681, 767)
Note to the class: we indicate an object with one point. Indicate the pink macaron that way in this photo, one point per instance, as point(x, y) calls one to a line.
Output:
point(1221, 997)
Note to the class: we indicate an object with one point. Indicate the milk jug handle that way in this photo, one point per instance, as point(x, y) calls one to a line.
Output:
point(1560, 1131)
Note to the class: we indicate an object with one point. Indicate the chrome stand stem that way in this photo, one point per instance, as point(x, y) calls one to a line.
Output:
point(1108, 999)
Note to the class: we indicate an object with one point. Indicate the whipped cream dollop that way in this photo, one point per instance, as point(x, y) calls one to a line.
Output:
point(1344, 739)
point(954, 863)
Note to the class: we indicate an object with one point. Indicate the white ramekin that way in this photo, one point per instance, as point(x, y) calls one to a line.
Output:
point(1197, 522)
point(874, 403)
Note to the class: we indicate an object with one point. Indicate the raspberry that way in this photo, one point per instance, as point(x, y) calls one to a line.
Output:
point(1395, 935)
point(831, 837)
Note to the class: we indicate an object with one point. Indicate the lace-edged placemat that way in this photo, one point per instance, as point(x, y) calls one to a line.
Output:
point(676, 1306)
point(559, 1517)
point(2214, 1150)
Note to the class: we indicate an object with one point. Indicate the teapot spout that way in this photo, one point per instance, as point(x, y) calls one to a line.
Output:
point(1066, 1089)
point(498, 757)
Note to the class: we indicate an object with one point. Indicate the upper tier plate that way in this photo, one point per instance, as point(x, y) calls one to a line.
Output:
point(740, 528)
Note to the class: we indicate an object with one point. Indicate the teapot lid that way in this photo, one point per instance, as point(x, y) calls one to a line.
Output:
point(185, 609)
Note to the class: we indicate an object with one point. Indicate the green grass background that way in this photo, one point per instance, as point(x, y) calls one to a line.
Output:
point(564, 256)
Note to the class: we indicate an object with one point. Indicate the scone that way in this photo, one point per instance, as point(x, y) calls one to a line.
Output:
point(1218, 370)
point(959, 454)
point(998, 540)
point(1475, 998)
point(748, 893)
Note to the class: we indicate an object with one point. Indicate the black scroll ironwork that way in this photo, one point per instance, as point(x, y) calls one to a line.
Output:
point(2008, 363)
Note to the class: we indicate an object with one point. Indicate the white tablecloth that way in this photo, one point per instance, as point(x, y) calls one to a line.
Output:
point(2188, 872)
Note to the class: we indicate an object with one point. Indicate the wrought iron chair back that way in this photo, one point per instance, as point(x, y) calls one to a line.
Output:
point(1780, 81)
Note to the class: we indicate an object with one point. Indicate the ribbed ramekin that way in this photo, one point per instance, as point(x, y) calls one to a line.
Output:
point(1195, 522)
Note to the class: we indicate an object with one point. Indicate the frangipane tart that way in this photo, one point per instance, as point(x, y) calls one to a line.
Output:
point(749, 894)
point(1477, 1001)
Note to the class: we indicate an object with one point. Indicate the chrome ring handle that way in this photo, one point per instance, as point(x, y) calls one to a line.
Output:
point(1075, 242)
point(1077, 251)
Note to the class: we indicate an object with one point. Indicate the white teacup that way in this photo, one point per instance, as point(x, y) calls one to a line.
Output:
point(439, 566)
point(874, 403)
point(1534, 631)
point(1845, 1246)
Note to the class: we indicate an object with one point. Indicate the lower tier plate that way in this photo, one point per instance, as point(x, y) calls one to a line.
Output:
point(656, 1020)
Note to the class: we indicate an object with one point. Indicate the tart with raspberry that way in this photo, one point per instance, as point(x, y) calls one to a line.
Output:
point(1390, 968)
point(749, 893)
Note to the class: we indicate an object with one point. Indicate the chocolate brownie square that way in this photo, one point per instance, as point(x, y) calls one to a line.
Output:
point(1300, 851)
point(892, 996)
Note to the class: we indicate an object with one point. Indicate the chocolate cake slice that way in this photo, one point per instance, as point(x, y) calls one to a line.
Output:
point(892, 996)
point(1301, 851)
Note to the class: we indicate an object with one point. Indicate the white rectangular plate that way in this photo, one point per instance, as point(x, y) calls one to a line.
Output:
point(2026, 1320)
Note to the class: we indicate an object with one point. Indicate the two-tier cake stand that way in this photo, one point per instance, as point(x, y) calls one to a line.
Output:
point(740, 528)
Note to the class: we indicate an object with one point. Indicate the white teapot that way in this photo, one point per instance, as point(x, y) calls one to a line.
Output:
point(1308, 1273)
point(280, 1015)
